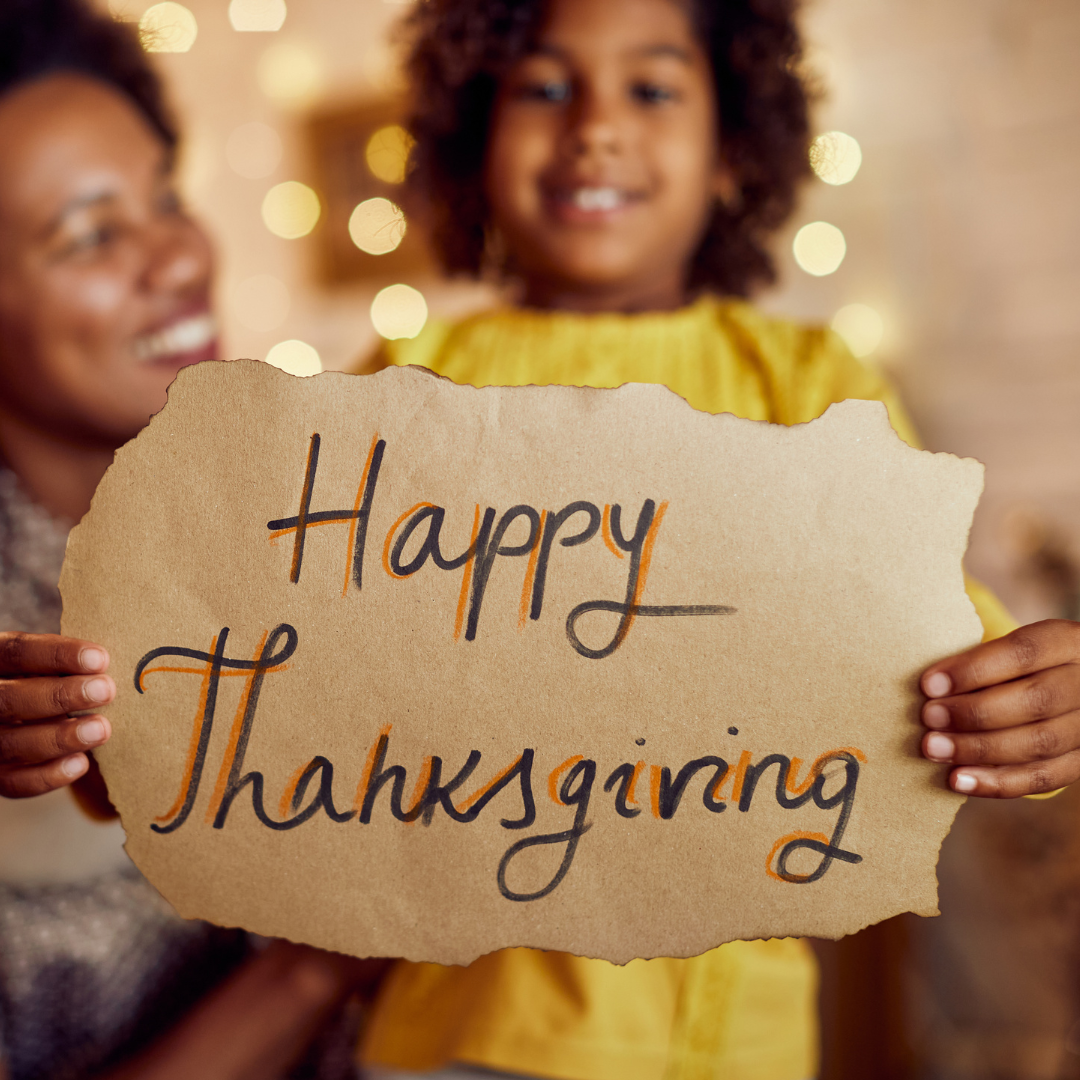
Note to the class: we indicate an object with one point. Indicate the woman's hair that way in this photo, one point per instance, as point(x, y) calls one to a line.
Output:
point(461, 48)
point(46, 37)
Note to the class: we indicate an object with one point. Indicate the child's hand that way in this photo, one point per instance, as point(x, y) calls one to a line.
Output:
point(43, 677)
point(1008, 711)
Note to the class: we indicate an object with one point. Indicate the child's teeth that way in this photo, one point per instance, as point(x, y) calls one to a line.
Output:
point(183, 336)
point(605, 198)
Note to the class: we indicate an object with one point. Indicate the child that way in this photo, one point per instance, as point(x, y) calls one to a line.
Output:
point(623, 162)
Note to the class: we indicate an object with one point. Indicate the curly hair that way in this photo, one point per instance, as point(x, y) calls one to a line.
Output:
point(46, 37)
point(461, 48)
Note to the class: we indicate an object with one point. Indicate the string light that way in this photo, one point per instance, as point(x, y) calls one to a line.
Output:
point(291, 210)
point(168, 28)
point(861, 327)
point(257, 15)
point(296, 357)
point(399, 311)
point(387, 153)
point(290, 74)
point(377, 226)
point(819, 248)
point(835, 157)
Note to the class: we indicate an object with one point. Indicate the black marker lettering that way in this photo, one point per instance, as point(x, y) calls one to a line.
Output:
point(671, 793)
point(639, 547)
point(552, 525)
point(486, 554)
point(358, 517)
point(434, 516)
point(831, 850)
point(624, 777)
point(579, 797)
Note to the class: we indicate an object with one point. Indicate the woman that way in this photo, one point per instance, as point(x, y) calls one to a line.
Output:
point(104, 295)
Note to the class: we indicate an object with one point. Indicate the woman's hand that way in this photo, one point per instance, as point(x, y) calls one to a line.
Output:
point(1008, 712)
point(43, 678)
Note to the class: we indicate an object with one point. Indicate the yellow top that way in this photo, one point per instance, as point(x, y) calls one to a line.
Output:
point(744, 1011)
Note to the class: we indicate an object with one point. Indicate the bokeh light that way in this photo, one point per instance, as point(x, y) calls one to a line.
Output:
point(380, 64)
point(295, 357)
point(167, 28)
point(253, 150)
point(198, 164)
point(860, 326)
point(387, 153)
point(261, 302)
point(399, 311)
point(835, 157)
point(377, 226)
point(290, 74)
point(290, 210)
point(257, 15)
point(819, 248)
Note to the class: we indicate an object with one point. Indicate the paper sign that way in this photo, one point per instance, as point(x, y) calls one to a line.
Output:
point(414, 669)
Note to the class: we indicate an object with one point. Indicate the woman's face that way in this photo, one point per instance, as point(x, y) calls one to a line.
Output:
point(104, 279)
point(603, 162)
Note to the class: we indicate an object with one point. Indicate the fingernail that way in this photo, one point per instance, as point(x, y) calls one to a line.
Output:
point(937, 685)
point(940, 747)
point(965, 783)
point(91, 732)
point(93, 660)
point(74, 766)
point(98, 690)
point(936, 716)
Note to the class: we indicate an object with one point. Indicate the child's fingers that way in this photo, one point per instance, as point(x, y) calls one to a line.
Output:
point(49, 654)
point(29, 780)
point(34, 744)
point(42, 698)
point(1042, 696)
point(1014, 781)
point(1029, 649)
point(1029, 743)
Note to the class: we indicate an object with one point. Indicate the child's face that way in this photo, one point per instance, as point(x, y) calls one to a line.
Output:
point(603, 161)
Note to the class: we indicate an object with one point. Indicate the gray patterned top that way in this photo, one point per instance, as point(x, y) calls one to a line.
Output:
point(94, 964)
point(92, 969)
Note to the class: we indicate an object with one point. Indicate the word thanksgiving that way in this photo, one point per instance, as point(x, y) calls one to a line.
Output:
point(463, 795)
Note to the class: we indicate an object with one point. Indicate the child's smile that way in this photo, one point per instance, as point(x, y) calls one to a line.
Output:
point(603, 164)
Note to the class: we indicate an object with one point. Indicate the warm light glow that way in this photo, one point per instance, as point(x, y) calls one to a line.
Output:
point(253, 150)
point(377, 226)
point(819, 248)
point(198, 164)
point(290, 74)
point(861, 327)
point(257, 15)
point(168, 28)
point(387, 153)
point(290, 210)
point(127, 10)
point(295, 357)
point(381, 66)
point(261, 302)
point(835, 157)
point(399, 311)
